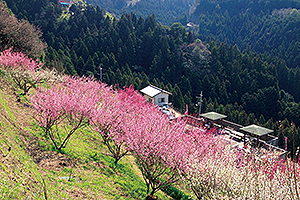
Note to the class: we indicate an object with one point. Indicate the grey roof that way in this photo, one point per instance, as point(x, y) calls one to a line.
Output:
point(257, 130)
point(152, 91)
point(213, 116)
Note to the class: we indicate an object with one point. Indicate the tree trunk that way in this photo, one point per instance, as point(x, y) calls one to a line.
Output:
point(150, 197)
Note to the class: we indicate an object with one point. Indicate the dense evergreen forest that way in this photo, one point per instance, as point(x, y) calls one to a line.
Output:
point(248, 87)
point(269, 27)
point(166, 11)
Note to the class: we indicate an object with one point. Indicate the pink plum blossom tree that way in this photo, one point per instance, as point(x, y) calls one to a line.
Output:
point(230, 174)
point(107, 121)
point(109, 118)
point(24, 71)
point(65, 107)
point(162, 148)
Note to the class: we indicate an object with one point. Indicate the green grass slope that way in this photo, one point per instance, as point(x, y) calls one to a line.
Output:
point(30, 168)
point(19, 175)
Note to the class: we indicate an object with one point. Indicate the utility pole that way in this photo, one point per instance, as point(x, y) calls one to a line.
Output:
point(100, 73)
point(200, 101)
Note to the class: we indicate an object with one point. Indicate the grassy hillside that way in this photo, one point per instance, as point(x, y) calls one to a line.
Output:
point(19, 175)
point(31, 169)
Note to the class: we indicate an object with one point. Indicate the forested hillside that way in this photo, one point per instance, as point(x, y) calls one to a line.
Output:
point(246, 86)
point(166, 11)
point(270, 27)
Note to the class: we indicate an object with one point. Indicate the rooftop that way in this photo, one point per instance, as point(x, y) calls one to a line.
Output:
point(152, 91)
point(213, 116)
point(257, 130)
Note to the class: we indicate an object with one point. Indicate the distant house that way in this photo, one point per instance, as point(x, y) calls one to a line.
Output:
point(156, 95)
point(66, 3)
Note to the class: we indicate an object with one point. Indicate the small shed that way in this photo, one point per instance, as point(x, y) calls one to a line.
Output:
point(257, 131)
point(214, 117)
point(156, 95)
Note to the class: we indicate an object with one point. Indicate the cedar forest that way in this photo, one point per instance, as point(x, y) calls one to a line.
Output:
point(244, 55)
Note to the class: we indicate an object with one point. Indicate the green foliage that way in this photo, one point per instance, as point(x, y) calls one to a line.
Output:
point(167, 11)
point(7, 192)
point(175, 193)
point(177, 98)
point(269, 27)
point(5, 105)
point(2, 73)
point(18, 173)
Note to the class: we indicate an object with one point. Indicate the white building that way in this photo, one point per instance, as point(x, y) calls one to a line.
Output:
point(156, 95)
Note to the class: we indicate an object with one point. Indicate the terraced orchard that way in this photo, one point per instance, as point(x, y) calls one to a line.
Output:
point(74, 137)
